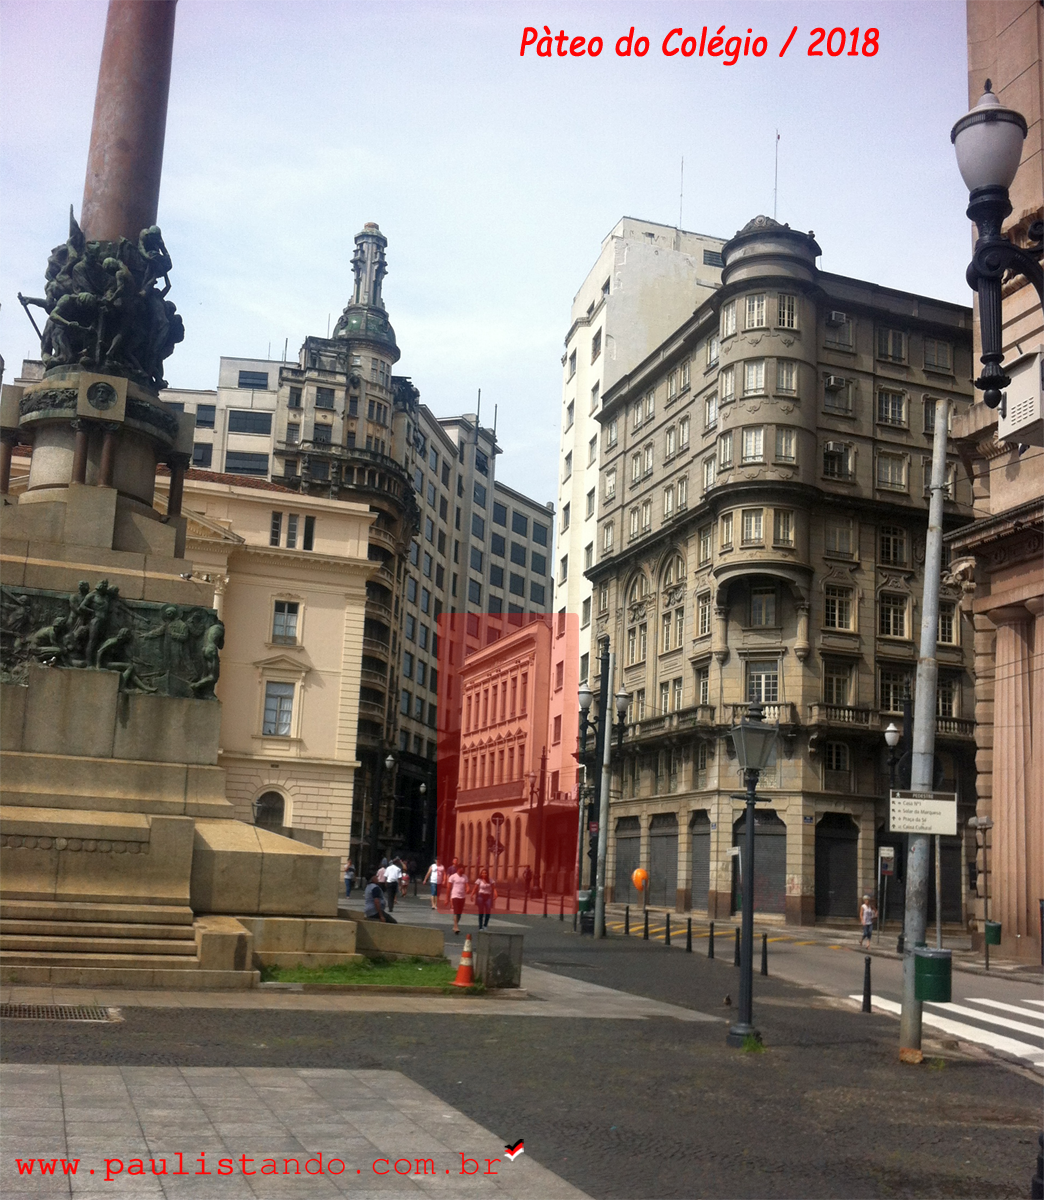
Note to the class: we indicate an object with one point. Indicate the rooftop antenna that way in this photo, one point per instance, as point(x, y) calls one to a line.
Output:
point(328, 315)
point(478, 417)
point(286, 343)
point(495, 407)
point(775, 181)
point(681, 192)
point(269, 354)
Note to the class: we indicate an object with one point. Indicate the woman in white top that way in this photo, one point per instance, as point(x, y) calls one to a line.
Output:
point(436, 874)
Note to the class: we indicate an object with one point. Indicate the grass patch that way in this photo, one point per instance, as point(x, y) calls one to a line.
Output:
point(390, 972)
point(937, 1064)
point(753, 1045)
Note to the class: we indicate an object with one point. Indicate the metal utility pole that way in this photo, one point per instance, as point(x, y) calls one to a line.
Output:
point(602, 736)
point(606, 722)
point(922, 767)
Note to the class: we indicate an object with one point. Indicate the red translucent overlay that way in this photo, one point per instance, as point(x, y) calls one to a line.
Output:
point(507, 766)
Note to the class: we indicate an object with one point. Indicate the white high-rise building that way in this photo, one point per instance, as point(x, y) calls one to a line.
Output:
point(646, 281)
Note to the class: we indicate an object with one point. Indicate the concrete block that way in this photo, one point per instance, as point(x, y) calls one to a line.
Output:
point(223, 944)
point(168, 729)
point(298, 958)
point(43, 520)
point(139, 533)
point(285, 934)
point(295, 878)
point(226, 867)
point(12, 715)
point(376, 939)
point(71, 711)
point(90, 516)
point(331, 936)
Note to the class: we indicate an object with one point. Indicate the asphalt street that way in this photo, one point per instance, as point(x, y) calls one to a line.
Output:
point(652, 1107)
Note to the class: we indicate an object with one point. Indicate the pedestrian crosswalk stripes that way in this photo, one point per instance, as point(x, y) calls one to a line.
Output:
point(962, 1010)
point(932, 1015)
point(1040, 1002)
point(1012, 1008)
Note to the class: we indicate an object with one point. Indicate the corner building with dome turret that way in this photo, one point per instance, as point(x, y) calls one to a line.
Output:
point(762, 517)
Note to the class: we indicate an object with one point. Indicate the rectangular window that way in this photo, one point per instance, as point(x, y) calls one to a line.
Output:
point(937, 355)
point(497, 545)
point(785, 445)
point(324, 397)
point(713, 350)
point(837, 609)
point(279, 707)
point(520, 524)
point(594, 396)
point(685, 374)
point(239, 462)
point(753, 445)
point(203, 456)
point(284, 622)
point(607, 538)
point(763, 606)
point(539, 534)
point(837, 395)
point(291, 531)
point(596, 345)
point(592, 450)
point(753, 376)
point(589, 556)
point(516, 584)
point(891, 345)
point(633, 518)
point(838, 540)
point(837, 460)
point(611, 433)
point(838, 329)
point(892, 615)
point(603, 598)
point(585, 613)
point(411, 589)
point(567, 467)
point(407, 665)
point(676, 694)
point(725, 451)
point(294, 400)
point(705, 545)
point(249, 420)
point(783, 527)
point(665, 698)
point(293, 432)
point(569, 415)
point(666, 629)
point(891, 472)
point(646, 516)
point(683, 493)
point(563, 568)
point(536, 593)
point(650, 405)
point(763, 682)
point(585, 667)
point(891, 408)
point(894, 689)
point(892, 541)
point(321, 435)
point(205, 414)
point(518, 554)
point(837, 682)
point(728, 319)
point(496, 576)
point(755, 312)
point(589, 504)
point(610, 484)
point(647, 464)
point(668, 503)
point(476, 560)
point(726, 531)
point(786, 376)
point(479, 494)
point(308, 541)
point(572, 365)
point(474, 591)
point(672, 386)
point(256, 380)
point(727, 385)
point(752, 526)
point(703, 614)
point(948, 626)
point(275, 529)
point(710, 411)
point(703, 692)
point(947, 695)
point(565, 516)
point(786, 311)
point(670, 443)
point(499, 514)
point(478, 526)
point(404, 703)
point(425, 600)
point(708, 474)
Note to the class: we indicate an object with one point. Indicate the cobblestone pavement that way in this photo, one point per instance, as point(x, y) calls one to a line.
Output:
point(641, 1104)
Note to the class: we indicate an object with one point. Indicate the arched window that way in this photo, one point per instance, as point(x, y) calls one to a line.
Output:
point(672, 614)
point(637, 626)
point(269, 811)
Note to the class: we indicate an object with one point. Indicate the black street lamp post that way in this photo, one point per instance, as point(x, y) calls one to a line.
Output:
point(603, 725)
point(383, 764)
point(755, 744)
point(988, 143)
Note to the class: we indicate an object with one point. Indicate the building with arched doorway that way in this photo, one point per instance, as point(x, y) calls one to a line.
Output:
point(762, 515)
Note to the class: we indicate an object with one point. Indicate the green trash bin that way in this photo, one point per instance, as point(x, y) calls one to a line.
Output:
point(585, 906)
point(992, 933)
point(933, 974)
point(585, 900)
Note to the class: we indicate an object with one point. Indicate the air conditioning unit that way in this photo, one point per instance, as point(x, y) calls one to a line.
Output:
point(835, 447)
point(836, 318)
point(834, 383)
point(1022, 414)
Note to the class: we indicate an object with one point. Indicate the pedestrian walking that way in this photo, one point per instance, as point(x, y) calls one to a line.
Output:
point(527, 878)
point(485, 893)
point(458, 890)
point(867, 916)
point(435, 875)
point(392, 875)
point(349, 879)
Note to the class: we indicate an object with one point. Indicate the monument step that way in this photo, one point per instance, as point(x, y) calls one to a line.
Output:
point(96, 945)
point(75, 911)
point(53, 958)
point(93, 929)
point(129, 977)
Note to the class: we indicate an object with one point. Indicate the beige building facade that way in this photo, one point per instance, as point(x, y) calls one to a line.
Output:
point(761, 534)
point(1000, 553)
point(294, 620)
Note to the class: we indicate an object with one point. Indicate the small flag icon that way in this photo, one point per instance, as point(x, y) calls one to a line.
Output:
point(514, 1151)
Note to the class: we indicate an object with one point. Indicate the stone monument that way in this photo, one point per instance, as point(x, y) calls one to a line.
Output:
point(121, 860)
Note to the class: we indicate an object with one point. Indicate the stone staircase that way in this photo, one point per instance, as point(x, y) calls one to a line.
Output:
point(133, 945)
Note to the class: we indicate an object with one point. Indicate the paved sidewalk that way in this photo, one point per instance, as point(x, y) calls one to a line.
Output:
point(357, 1133)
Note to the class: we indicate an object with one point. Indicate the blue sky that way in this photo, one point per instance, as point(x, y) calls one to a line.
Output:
point(494, 176)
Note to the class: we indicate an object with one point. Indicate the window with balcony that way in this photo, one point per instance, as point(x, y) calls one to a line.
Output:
point(646, 516)
point(633, 518)
point(703, 695)
point(752, 527)
point(947, 697)
point(837, 610)
point(668, 502)
point(837, 683)
point(683, 493)
point(891, 472)
point(938, 356)
point(607, 538)
point(891, 408)
point(785, 443)
point(665, 698)
point(763, 681)
point(726, 531)
point(839, 329)
point(786, 376)
point(837, 395)
point(839, 540)
point(783, 527)
point(893, 689)
point(837, 460)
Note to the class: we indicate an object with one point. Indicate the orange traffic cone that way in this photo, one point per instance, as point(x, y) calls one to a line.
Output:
point(465, 972)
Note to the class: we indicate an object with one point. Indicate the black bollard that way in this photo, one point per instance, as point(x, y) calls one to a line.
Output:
point(574, 922)
point(645, 931)
point(545, 904)
point(866, 984)
point(710, 942)
point(627, 920)
point(508, 904)
point(736, 951)
point(764, 954)
point(688, 936)
point(561, 908)
point(525, 901)
point(667, 932)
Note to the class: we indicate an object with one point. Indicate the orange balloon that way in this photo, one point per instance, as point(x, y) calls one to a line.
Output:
point(640, 878)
